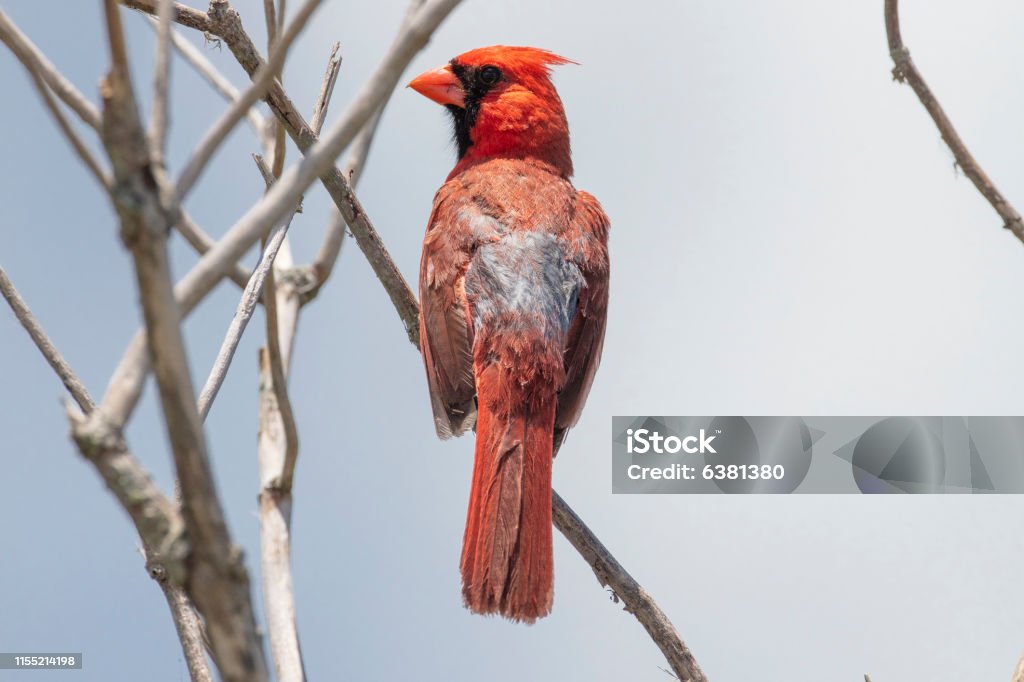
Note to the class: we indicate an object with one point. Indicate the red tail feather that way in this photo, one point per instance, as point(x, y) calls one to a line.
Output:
point(507, 563)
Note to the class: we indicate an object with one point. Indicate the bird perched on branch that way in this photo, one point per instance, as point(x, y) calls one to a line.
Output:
point(513, 299)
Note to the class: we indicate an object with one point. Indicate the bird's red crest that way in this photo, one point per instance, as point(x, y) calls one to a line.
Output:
point(516, 59)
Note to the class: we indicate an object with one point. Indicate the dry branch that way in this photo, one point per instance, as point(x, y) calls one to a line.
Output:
point(216, 578)
point(246, 307)
point(44, 78)
point(36, 62)
point(161, 78)
point(67, 376)
point(83, 153)
point(905, 71)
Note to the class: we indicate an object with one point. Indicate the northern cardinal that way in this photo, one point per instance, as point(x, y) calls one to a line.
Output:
point(513, 297)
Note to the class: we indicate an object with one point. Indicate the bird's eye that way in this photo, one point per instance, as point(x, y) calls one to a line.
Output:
point(489, 75)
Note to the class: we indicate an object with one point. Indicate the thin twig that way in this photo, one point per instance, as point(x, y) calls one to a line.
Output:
point(217, 580)
point(227, 122)
point(83, 153)
point(43, 74)
point(270, 19)
point(1018, 675)
point(161, 77)
point(243, 313)
point(323, 100)
point(21, 310)
point(275, 22)
point(36, 62)
point(905, 71)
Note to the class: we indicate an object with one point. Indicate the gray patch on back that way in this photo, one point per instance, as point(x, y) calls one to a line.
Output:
point(527, 274)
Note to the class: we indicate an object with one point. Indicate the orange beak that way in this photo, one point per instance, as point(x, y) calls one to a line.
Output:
point(440, 85)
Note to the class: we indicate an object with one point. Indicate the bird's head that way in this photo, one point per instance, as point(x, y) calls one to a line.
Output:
point(503, 104)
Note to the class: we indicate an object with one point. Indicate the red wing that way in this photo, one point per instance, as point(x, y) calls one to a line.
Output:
point(456, 228)
point(587, 242)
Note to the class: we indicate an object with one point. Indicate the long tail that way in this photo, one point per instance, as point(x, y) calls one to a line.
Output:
point(507, 562)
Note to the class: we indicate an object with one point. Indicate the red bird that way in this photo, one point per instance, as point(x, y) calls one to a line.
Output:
point(513, 297)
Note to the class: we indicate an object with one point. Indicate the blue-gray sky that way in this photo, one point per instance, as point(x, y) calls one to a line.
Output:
point(789, 237)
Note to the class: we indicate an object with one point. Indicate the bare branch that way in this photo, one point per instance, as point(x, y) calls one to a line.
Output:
point(246, 306)
point(21, 311)
point(10, 35)
point(274, 22)
point(37, 63)
point(323, 100)
point(905, 71)
point(216, 580)
point(161, 76)
point(1018, 676)
point(270, 18)
point(610, 573)
point(83, 153)
point(227, 122)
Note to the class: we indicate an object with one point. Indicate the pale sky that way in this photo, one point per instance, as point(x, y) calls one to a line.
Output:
point(789, 236)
